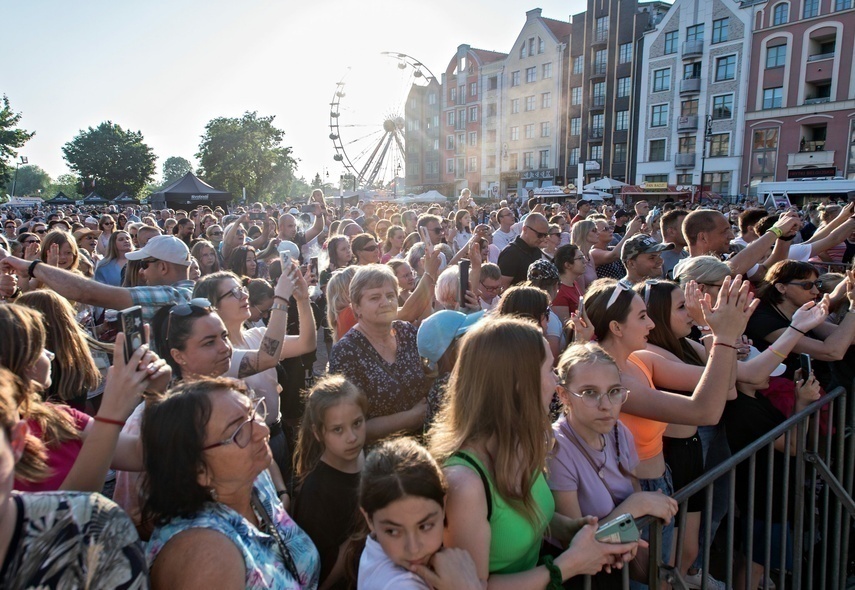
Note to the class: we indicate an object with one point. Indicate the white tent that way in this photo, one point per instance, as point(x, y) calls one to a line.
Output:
point(430, 197)
point(605, 184)
point(594, 195)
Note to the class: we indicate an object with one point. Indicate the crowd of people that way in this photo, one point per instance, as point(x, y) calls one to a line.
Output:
point(387, 396)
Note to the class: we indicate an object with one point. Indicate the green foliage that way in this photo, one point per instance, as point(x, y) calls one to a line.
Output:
point(11, 138)
point(31, 181)
point(118, 160)
point(67, 183)
point(175, 168)
point(246, 152)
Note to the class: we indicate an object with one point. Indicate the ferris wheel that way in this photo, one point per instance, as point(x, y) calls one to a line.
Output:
point(367, 126)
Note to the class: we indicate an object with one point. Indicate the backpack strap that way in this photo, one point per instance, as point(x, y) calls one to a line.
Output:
point(484, 480)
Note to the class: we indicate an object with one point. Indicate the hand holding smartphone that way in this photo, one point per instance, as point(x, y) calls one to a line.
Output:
point(464, 281)
point(132, 326)
point(618, 530)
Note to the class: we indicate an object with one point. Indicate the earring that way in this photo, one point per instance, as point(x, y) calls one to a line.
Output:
point(214, 496)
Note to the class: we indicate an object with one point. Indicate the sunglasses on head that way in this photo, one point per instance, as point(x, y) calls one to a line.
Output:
point(621, 286)
point(186, 309)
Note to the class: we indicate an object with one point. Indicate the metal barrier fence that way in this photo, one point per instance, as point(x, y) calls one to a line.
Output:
point(822, 507)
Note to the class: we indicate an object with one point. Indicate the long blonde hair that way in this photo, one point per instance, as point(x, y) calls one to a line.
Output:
point(338, 296)
point(579, 235)
point(500, 399)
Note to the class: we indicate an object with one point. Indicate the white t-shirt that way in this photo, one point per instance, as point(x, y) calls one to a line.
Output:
point(265, 383)
point(800, 252)
point(502, 239)
point(378, 572)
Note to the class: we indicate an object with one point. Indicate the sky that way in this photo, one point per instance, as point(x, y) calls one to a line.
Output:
point(166, 68)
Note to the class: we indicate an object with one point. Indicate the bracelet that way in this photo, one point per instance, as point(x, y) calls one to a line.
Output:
point(279, 297)
point(279, 307)
point(555, 577)
point(32, 267)
point(777, 231)
point(797, 330)
point(119, 423)
point(779, 354)
point(725, 344)
point(279, 493)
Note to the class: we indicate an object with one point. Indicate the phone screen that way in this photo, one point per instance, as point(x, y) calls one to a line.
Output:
point(132, 326)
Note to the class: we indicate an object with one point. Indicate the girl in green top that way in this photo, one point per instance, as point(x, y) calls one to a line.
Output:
point(493, 438)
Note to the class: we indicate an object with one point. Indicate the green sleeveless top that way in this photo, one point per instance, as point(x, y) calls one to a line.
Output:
point(514, 543)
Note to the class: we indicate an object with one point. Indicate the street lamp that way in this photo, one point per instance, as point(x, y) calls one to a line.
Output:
point(24, 160)
point(707, 138)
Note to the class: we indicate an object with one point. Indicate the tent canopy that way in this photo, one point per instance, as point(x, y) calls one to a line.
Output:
point(189, 191)
point(60, 199)
point(605, 184)
point(125, 199)
point(94, 198)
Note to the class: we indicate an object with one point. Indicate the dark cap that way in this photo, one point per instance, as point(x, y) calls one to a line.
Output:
point(641, 244)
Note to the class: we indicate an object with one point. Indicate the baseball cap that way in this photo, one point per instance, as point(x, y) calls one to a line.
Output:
point(437, 332)
point(85, 233)
point(641, 244)
point(166, 248)
point(779, 370)
point(621, 213)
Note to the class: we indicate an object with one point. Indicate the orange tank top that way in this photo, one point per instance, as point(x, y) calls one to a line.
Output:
point(647, 433)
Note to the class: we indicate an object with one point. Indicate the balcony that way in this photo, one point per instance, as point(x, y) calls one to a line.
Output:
point(819, 159)
point(684, 160)
point(601, 36)
point(598, 71)
point(693, 48)
point(820, 56)
point(598, 101)
point(595, 133)
point(818, 100)
point(687, 123)
point(690, 85)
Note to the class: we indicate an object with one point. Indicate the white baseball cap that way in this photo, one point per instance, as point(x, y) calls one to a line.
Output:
point(166, 248)
point(779, 370)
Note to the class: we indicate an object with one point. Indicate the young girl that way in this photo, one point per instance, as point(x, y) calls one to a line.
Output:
point(329, 457)
point(402, 497)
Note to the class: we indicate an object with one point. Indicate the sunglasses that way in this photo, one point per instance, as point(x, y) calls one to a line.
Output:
point(185, 309)
point(806, 285)
point(621, 286)
point(144, 264)
point(109, 223)
point(242, 435)
point(216, 233)
point(40, 231)
point(26, 242)
point(647, 284)
point(540, 235)
point(437, 230)
point(370, 248)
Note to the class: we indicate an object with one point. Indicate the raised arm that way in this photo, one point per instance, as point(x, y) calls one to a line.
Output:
point(742, 262)
point(601, 257)
point(422, 296)
point(307, 340)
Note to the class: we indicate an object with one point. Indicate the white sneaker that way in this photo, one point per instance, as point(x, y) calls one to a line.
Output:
point(694, 581)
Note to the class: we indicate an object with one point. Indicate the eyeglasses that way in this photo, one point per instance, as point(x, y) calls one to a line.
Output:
point(40, 231)
point(622, 285)
point(110, 223)
point(236, 292)
point(242, 435)
point(591, 397)
point(369, 248)
point(551, 234)
point(264, 313)
point(144, 264)
point(185, 309)
point(216, 233)
point(493, 289)
point(540, 234)
point(27, 242)
point(806, 285)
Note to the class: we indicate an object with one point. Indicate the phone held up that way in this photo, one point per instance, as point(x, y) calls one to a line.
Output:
point(132, 325)
point(464, 280)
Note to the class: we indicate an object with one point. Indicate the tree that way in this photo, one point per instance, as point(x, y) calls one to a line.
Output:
point(246, 153)
point(31, 180)
point(11, 138)
point(66, 183)
point(175, 168)
point(112, 158)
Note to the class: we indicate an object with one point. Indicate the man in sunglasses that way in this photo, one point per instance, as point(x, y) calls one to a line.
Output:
point(164, 261)
point(506, 232)
point(524, 250)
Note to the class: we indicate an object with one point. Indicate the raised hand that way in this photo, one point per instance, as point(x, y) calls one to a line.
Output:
point(810, 315)
point(734, 306)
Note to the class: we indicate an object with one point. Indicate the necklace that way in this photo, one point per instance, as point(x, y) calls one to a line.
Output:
point(780, 313)
point(600, 469)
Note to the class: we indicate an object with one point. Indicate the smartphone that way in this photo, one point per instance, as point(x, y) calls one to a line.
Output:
point(285, 260)
point(307, 209)
point(423, 232)
point(581, 307)
point(257, 216)
point(464, 280)
point(132, 326)
point(804, 361)
point(313, 265)
point(619, 530)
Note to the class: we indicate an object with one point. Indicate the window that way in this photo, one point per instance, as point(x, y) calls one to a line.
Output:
point(515, 133)
point(720, 30)
point(695, 33)
point(597, 123)
point(461, 118)
point(524, 51)
point(493, 83)
point(842, 4)
point(619, 153)
point(623, 86)
point(575, 126)
point(659, 115)
point(414, 168)
point(530, 75)
point(473, 138)
point(576, 95)
point(531, 46)
point(491, 135)
point(546, 100)
point(671, 40)
point(720, 144)
point(528, 160)
point(450, 118)
point(685, 179)
point(662, 80)
point(530, 103)
point(513, 163)
point(529, 131)
point(473, 163)
point(491, 162)
point(601, 58)
point(621, 120)
point(436, 144)
point(717, 182)
point(655, 178)
point(764, 155)
point(773, 98)
point(597, 152)
point(515, 106)
point(780, 14)
point(435, 120)
point(599, 92)
point(473, 114)
point(725, 68)
point(491, 109)
point(461, 141)
point(574, 156)
point(722, 106)
point(776, 56)
point(689, 107)
point(625, 53)
point(544, 129)
point(449, 166)
point(810, 8)
point(578, 64)
point(452, 94)
point(432, 98)
point(547, 71)
point(541, 46)
point(602, 28)
point(515, 78)
point(544, 159)
point(686, 145)
point(473, 89)
point(657, 150)
point(692, 70)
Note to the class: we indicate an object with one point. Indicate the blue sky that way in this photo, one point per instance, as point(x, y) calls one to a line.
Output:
point(168, 67)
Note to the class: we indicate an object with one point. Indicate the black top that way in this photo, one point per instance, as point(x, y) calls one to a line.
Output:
point(326, 508)
point(515, 259)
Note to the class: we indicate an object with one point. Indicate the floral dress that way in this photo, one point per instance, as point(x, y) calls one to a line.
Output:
point(265, 566)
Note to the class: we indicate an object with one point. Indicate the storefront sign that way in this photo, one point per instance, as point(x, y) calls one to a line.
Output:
point(532, 174)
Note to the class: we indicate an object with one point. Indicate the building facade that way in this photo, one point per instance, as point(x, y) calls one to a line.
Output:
point(800, 108)
point(694, 77)
point(424, 170)
point(602, 87)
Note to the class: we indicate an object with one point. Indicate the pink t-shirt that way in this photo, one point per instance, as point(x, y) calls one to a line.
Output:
point(568, 296)
point(60, 458)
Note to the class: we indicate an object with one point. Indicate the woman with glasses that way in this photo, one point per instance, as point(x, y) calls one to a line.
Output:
point(211, 499)
point(109, 269)
point(607, 257)
point(365, 249)
point(206, 255)
point(553, 240)
point(570, 263)
point(107, 225)
point(231, 301)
